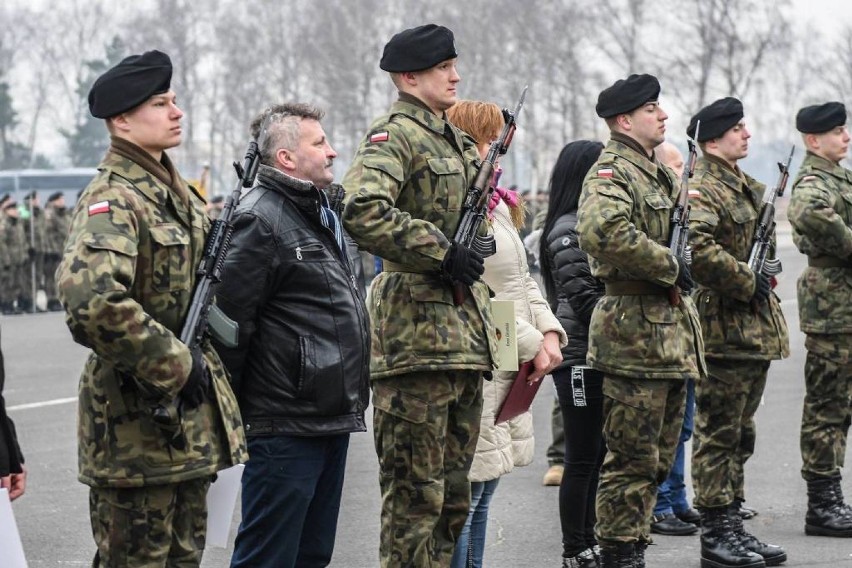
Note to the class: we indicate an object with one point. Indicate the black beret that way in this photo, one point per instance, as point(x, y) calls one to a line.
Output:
point(820, 118)
point(716, 118)
point(130, 83)
point(31, 195)
point(419, 48)
point(54, 196)
point(5, 198)
point(628, 94)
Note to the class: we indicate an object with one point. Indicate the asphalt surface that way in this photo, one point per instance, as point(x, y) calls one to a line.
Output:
point(43, 365)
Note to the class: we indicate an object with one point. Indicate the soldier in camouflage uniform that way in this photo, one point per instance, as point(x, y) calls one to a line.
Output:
point(743, 327)
point(6, 304)
point(156, 420)
point(820, 211)
point(645, 344)
point(35, 234)
point(57, 223)
point(19, 266)
point(405, 190)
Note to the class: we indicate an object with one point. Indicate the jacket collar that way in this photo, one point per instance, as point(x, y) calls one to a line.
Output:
point(722, 171)
point(831, 168)
point(305, 195)
point(629, 149)
point(158, 181)
point(415, 109)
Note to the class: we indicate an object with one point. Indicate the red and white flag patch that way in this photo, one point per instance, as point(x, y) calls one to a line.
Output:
point(605, 173)
point(694, 193)
point(99, 207)
point(379, 137)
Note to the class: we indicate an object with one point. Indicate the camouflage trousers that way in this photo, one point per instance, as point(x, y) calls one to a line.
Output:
point(156, 526)
point(425, 426)
point(643, 418)
point(51, 263)
point(826, 416)
point(725, 435)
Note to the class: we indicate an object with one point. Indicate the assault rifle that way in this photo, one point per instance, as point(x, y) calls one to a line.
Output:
point(679, 235)
point(478, 195)
point(202, 315)
point(757, 260)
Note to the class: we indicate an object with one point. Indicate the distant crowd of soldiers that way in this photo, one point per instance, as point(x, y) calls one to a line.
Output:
point(31, 241)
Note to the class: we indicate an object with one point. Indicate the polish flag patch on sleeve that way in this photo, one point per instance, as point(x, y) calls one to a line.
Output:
point(99, 207)
point(605, 173)
point(379, 137)
point(692, 193)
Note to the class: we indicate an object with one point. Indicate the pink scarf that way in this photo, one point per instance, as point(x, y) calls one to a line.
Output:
point(510, 197)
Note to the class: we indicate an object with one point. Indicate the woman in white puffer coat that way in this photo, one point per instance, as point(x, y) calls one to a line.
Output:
point(540, 337)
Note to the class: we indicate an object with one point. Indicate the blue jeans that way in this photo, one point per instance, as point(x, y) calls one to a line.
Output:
point(290, 501)
point(471, 543)
point(671, 494)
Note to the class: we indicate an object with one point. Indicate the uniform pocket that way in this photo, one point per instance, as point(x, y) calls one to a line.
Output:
point(437, 327)
point(657, 216)
point(663, 346)
point(448, 182)
point(402, 434)
point(170, 262)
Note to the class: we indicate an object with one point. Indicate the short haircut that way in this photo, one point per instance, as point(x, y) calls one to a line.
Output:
point(483, 121)
point(281, 123)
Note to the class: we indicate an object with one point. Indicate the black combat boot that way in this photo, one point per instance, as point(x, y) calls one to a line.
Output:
point(827, 514)
point(618, 556)
point(773, 555)
point(639, 554)
point(720, 547)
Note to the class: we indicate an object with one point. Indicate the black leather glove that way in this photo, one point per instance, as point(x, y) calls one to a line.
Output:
point(462, 264)
point(762, 288)
point(197, 385)
point(684, 276)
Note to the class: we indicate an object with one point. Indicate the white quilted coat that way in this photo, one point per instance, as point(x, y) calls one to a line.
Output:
point(502, 447)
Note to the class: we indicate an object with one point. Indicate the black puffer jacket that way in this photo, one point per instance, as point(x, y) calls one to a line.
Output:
point(577, 291)
point(10, 452)
point(302, 364)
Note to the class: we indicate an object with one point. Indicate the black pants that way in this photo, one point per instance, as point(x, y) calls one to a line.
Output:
point(580, 395)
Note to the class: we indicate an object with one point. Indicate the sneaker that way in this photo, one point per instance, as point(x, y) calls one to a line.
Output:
point(553, 475)
point(669, 524)
point(585, 559)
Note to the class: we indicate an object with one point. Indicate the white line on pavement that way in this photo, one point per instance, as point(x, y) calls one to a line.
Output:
point(53, 402)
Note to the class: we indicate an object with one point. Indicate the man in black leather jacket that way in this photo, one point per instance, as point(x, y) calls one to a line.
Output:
point(301, 368)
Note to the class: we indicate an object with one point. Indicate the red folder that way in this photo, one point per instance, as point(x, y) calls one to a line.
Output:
point(520, 396)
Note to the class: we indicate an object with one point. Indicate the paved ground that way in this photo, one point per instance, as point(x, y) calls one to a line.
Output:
point(43, 366)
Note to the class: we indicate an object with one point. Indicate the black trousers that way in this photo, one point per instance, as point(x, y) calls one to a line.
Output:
point(580, 393)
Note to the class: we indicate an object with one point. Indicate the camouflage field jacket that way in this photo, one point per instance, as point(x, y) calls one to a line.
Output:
point(725, 205)
point(125, 279)
point(820, 212)
point(623, 225)
point(404, 195)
